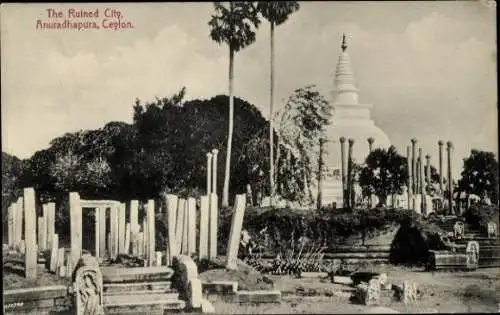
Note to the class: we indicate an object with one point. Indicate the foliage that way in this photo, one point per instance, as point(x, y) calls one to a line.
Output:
point(413, 241)
point(234, 24)
point(12, 171)
point(478, 216)
point(163, 150)
point(384, 174)
point(302, 122)
point(480, 175)
point(277, 12)
point(278, 227)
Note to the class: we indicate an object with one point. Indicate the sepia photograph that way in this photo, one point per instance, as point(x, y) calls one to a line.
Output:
point(250, 157)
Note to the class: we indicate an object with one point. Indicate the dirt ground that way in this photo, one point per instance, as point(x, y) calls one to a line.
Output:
point(450, 292)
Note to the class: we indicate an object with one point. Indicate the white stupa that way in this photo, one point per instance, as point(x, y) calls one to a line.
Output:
point(350, 120)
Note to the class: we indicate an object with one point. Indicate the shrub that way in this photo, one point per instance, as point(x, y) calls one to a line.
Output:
point(478, 216)
point(413, 241)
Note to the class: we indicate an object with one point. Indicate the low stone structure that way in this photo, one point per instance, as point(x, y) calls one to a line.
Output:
point(368, 294)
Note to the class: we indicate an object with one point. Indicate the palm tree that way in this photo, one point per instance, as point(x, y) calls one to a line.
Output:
point(276, 12)
point(234, 24)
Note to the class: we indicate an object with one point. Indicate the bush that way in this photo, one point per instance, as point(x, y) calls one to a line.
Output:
point(278, 227)
point(478, 216)
point(413, 241)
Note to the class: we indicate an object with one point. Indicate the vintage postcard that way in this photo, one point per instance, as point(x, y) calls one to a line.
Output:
point(250, 157)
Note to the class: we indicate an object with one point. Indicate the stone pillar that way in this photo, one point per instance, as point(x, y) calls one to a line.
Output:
point(413, 166)
point(214, 170)
point(102, 231)
point(449, 145)
point(53, 254)
point(151, 232)
point(113, 243)
point(343, 170)
point(370, 144)
point(421, 177)
point(320, 174)
point(349, 174)
point(19, 220)
point(209, 173)
point(410, 176)
point(179, 226)
point(51, 218)
point(31, 255)
point(171, 213)
point(204, 222)
point(441, 190)
point(134, 223)
point(45, 214)
point(126, 248)
point(191, 226)
point(10, 219)
point(41, 233)
point(428, 179)
point(122, 218)
point(75, 214)
point(235, 233)
point(214, 214)
point(185, 224)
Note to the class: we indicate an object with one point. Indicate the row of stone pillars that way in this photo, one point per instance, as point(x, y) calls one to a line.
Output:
point(416, 175)
point(348, 169)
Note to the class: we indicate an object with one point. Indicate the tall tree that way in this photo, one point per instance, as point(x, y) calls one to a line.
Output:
point(276, 13)
point(233, 24)
point(480, 175)
point(302, 123)
point(385, 173)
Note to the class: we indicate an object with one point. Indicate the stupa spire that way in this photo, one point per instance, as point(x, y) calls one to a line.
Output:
point(345, 83)
point(344, 44)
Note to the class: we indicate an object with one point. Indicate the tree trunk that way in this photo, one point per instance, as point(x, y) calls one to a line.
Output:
point(225, 192)
point(271, 131)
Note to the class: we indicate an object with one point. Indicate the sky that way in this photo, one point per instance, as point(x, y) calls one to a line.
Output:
point(428, 68)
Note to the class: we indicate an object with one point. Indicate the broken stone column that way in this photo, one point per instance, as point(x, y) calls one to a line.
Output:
point(51, 218)
point(343, 171)
point(235, 233)
point(214, 170)
point(213, 218)
point(171, 216)
point(113, 244)
point(122, 218)
point(134, 223)
point(10, 218)
point(75, 210)
point(209, 173)
point(19, 220)
point(441, 190)
point(179, 227)
point(450, 179)
point(41, 233)
point(410, 180)
point(151, 231)
point(204, 227)
point(349, 174)
point(370, 144)
point(31, 255)
point(191, 231)
point(421, 178)
point(101, 211)
point(413, 165)
point(427, 182)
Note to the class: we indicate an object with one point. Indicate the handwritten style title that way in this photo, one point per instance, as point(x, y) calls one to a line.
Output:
point(81, 19)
